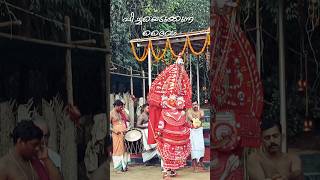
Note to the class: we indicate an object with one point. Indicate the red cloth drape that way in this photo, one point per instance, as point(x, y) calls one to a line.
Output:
point(40, 169)
point(236, 84)
point(154, 115)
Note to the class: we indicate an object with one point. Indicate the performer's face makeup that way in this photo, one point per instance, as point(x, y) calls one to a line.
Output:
point(271, 139)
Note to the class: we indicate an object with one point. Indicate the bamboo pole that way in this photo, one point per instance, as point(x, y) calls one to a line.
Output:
point(157, 68)
point(69, 63)
point(51, 43)
point(198, 82)
point(189, 57)
point(258, 44)
point(128, 75)
point(87, 41)
point(143, 87)
point(10, 23)
point(149, 68)
point(69, 153)
point(282, 79)
point(107, 70)
point(258, 58)
point(131, 81)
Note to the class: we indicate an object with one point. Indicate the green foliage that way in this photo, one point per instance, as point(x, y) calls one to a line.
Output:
point(123, 32)
point(294, 26)
point(270, 8)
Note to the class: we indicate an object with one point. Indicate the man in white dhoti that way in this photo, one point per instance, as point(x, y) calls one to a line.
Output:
point(119, 119)
point(196, 116)
point(142, 123)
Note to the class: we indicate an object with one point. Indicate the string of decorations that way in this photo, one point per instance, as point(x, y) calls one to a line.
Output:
point(168, 45)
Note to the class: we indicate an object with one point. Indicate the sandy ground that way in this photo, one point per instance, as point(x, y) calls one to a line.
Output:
point(142, 172)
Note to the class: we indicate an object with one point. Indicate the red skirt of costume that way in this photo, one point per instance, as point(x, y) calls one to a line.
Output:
point(169, 94)
point(174, 143)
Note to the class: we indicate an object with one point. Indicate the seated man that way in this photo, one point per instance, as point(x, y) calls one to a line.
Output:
point(55, 157)
point(269, 162)
point(142, 123)
point(23, 160)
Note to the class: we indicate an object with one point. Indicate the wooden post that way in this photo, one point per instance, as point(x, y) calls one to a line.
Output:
point(157, 68)
point(69, 147)
point(258, 58)
point(68, 63)
point(149, 68)
point(258, 48)
point(198, 81)
point(131, 81)
point(107, 68)
point(143, 87)
point(282, 79)
point(50, 43)
point(10, 23)
point(189, 57)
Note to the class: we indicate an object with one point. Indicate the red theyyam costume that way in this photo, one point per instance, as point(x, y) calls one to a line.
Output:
point(169, 96)
point(236, 93)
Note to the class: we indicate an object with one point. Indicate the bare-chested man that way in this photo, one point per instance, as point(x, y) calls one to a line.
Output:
point(18, 163)
point(55, 157)
point(269, 162)
point(119, 126)
point(196, 137)
point(142, 123)
point(51, 160)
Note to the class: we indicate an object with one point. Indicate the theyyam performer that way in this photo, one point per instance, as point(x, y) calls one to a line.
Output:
point(170, 94)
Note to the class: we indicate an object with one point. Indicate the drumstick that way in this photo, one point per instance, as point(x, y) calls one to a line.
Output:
point(152, 130)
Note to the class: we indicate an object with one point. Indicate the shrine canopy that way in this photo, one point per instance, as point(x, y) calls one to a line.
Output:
point(191, 43)
point(195, 43)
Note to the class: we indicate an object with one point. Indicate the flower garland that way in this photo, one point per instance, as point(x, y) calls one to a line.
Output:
point(143, 57)
point(158, 57)
point(183, 49)
point(187, 45)
point(202, 49)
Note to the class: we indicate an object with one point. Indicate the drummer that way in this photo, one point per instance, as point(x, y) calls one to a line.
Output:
point(142, 123)
point(119, 119)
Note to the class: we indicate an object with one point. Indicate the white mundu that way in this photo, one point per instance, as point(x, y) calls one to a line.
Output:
point(196, 137)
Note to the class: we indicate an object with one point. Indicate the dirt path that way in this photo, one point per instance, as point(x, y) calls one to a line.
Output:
point(142, 172)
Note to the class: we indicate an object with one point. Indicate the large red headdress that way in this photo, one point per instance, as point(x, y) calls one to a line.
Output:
point(170, 87)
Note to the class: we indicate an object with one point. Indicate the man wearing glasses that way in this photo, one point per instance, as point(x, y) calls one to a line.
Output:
point(55, 157)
